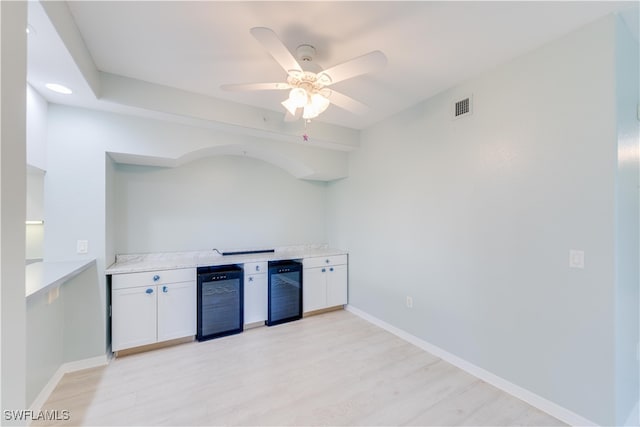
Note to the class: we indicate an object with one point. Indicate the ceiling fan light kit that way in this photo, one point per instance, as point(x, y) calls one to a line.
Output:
point(290, 106)
point(308, 93)
point(309, 97)
point(298, 97)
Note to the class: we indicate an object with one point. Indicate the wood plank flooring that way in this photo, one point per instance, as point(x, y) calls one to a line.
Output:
point(330, 369)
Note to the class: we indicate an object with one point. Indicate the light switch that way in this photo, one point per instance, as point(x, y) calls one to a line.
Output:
point(409, 302)
point(576, 258)
point(83, 246)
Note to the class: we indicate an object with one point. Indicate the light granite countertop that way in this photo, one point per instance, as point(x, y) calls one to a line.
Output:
point(133, 263)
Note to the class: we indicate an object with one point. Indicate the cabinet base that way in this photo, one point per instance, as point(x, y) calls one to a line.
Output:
point(323, 310)
point(154, 346)
point(253, 325)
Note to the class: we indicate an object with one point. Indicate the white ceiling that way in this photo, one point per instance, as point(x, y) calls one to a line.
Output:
point(430, 46)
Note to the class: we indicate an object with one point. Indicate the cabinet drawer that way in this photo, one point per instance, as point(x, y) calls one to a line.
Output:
point(255, 267)
point(324, 261)
point(150, 278)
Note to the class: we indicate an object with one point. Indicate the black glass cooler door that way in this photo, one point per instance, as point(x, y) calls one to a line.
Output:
point(220, 302)
point(285, 292)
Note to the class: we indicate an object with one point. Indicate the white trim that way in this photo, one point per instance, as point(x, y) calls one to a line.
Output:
point(529, 397)
point(47, 390)
point(634, 416)
point(92, 362)
point(66, 368)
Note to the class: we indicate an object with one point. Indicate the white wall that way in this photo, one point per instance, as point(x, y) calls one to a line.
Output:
point(45, 342)
point(35, 194)
point(163, 143)
point(35, 212)
point(74, 191)
point(216, 202)
point(34, 242)
point(36, 135)
point(62, 330)
point(75, 210)
point(474, 218)
point(36, 129)
point(627, 213)
point(13, 50)
point(75, 188)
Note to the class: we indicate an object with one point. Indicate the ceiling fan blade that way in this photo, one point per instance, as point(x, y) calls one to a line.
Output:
point(288, 117)
point(347, 103)
point(276, 48)
point(255, 86)
point(366, 63)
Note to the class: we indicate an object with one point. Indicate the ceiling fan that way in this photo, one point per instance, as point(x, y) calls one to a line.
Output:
point(309, 92)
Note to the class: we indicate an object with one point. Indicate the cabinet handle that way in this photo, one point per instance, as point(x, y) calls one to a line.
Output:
point(257, 268)
point(324, 270)
point(156, 278)
point(331, 269)
point(149, 291)
point(165, 289)
point(251, 279)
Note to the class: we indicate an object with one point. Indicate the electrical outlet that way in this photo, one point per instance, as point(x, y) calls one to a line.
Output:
point(82, 246)
point(576, 258)
point(409, 302)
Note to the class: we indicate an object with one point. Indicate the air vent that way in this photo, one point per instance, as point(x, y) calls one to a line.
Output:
point(462, 107)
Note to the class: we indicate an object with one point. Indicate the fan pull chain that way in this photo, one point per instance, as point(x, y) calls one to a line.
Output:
point(305, 136)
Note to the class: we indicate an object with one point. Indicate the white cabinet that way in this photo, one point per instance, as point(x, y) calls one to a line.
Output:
point(337, 285)
point(133, 317)
point(255, 292)
point(324, 282)
point(151, 307)
point(314, 289)
point(176, 310)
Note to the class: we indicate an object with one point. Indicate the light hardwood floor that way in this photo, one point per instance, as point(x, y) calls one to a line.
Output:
point(330, 369)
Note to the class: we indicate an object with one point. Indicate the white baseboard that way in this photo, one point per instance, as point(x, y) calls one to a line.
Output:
point(47, 390)
point(634, 416)
point(79, 365)
point(532, 399)
point(65, 368)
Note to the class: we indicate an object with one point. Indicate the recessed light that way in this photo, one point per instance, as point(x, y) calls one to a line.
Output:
point(59, 88)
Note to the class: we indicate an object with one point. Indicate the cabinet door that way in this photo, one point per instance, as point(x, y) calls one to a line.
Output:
point(133, 317)
point(255, 298)
point(176, 310)
point(336, 285)
point(314, 289)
